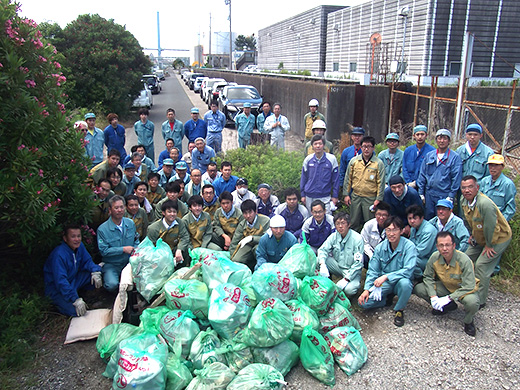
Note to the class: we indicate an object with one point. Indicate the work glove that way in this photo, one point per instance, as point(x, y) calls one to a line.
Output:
point(342, 283)
point(423, 199)
point(324, 271)
point(412, 184)
point(375, 293)
point(444, 301)
point(81, 307)
point(96, 279)
point(449, 198)
point(246, 240)
point(435, 303)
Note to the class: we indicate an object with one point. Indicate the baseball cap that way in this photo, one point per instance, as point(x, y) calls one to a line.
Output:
point(394, 136)
point(496, 159)
point(247, 105)
point(419, 128)
point(181, 165)
point(264, 185)
point(475, 128)
point(167, 161)
point(358, 130)
point(445, 132)
point(445, 203)
point(90, 115)
point(129, 165)
point(242, 182)
point(194, 110)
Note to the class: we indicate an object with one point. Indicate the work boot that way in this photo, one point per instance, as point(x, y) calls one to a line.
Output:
point(449, 307)
point(399, 318)
point(470, 329)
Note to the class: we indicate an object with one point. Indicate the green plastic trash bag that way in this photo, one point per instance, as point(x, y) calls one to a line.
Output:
point(300, 259)
point(204, 349)
point(187, 295)
point(111, 335)
point(139, 363)
point(178, 375)
point(283, 356)
point(316, 357)
point(257, 377)
point(179, 274)
point(151, 267)
point(219, 270)
point(318, 293)
point(337, 316)
point(343, 300)
point(151, 319)
point(238, 355)
point(302, 316)
point(200, 253)
point(248, 288)
point(272, 280)
point(215, 376)
point(229, 310)
point(179, 330)
point(348, 348)
point(270, 324)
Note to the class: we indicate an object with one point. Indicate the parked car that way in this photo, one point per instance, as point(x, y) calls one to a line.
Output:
point(251, 68)
point(215, 91)
point(153, 82)
point(145, 98)
point(198, 83)
point(233, 97)
point(207, 87)
point(192, 78)
point(160, 73)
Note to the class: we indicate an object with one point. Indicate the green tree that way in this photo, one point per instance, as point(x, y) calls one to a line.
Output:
point(245, 43)
point(106, 63)
point(178, 63)
point(42, 165)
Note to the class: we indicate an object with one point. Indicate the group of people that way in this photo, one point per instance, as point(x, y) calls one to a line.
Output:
point(401, 225)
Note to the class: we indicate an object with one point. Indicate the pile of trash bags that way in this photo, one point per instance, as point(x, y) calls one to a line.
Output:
point(228, 328)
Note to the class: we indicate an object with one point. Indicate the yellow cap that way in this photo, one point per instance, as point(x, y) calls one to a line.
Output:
point(496, 159)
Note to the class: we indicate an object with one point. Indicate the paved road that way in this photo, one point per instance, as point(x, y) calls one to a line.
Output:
point(177, 95)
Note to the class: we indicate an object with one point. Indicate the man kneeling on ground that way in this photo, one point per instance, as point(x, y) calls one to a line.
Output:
point(342, 255)
point(68, 269)
point(390, 271)
point(449, 277)
point(275, 243)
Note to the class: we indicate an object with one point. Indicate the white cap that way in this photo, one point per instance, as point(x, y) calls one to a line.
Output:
point(277, 221)
point(314, 102)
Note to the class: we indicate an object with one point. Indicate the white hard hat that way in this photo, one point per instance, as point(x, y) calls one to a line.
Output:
point(314, 102)
point(80, 125)
point(319, 124)
point(277, 221)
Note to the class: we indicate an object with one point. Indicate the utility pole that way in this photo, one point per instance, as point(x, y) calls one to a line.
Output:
point(158, 38)
point(210, 57)
point(228, 2)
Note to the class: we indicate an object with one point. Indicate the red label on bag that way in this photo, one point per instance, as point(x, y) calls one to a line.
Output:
point(236, 295)
point(284, 288)
point(127, 365)
point(121, 381)
point(268, 303)
point(177, 293)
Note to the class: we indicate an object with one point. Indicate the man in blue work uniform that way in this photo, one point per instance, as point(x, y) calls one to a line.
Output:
point(144, 130)
point(173, 128)
point(277, 125)
point(446, 221)
point(348, 153)
point(275, 243)
point(202, 155)
point(399, 196)
point(318, 227)
point(195, 127)
point(423, 236)
point(499, 188)
point(117, 239)
point(94, 140)
point(245, 123)
point(293, 212)
point(69, 269)
point(320, 177)
point(414, 155)
point(115, 136)
point(390, 271)
point(216, 121)
point(440, 175)
point(392, 157)
point(266, 201)
point(227, 181)
point(166, 173)
point(474, 153)
point(264, 114)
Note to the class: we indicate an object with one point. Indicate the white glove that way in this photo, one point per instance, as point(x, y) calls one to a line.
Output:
point(96, 279)
point(375, 293)
point(444, 301)
point(342, 283)
point(324, 271)
point(246, 240)
point(81, 307)
point(423, 199)
point(449, 198)
point(435, 303)
point(412, 184)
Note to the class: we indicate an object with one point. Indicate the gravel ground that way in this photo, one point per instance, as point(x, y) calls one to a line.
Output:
point(427, 352)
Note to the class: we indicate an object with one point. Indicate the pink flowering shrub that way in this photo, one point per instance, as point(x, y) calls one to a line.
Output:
point(42, 163)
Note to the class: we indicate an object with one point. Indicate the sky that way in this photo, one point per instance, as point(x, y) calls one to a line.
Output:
point(183, 23)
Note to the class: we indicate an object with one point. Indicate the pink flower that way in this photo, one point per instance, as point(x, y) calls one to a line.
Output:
point(30, 83)
point(40, 173)
point(57, 65)
point(21, 147)
point(65, 177)
point(45, 113)
point(42, 59)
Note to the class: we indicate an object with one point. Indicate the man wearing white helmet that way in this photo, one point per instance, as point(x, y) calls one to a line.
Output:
point(318, 127)
point(310, 117)
point(275, 243)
